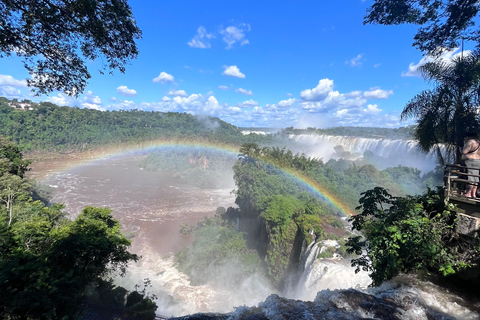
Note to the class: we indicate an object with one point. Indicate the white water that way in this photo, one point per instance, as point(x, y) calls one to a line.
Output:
point(395, 152)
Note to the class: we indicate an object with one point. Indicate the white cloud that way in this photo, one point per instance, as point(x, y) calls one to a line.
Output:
point(93, 106)
point(372, 109)
point(166, 99)
point(233, 71)
point(232, 35)
point(355, 62)
point(62, 100)
point(123, 90)
point(89, 97)
point(247, 104)
point(178, 93)
point(320, 92)
point(354, 94)
point(201, 39)
point(289, 95)
point(163, 77)
point(6, 80)
point(10, 92)
point(446, 57)
point(377, 93)
point(224, 88)
point(377, 65)
point(244, 91)
point(287, 103)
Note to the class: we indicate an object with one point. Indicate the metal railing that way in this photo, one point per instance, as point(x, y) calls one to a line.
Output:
point(456, 180)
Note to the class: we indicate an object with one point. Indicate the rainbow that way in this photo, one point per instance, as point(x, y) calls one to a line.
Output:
point(147, 147)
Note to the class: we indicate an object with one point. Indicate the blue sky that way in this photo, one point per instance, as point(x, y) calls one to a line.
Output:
point(255, 63)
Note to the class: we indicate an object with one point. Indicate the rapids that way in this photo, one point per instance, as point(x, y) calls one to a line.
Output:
point(152, 205)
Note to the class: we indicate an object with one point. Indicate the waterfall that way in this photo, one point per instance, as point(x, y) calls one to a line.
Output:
point(397, 152)
point(309, 253)
point(318, 274)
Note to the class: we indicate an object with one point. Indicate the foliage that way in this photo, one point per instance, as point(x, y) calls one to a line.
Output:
point(409, 234)
point(444, 23)
point(47, 262)
point(64, 129)
point(55, 37)
point(219, 252)
point(446, 113)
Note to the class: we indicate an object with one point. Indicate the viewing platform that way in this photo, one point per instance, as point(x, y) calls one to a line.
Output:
point(468, 209)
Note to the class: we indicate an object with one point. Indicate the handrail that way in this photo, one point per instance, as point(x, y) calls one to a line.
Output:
point(453, 175)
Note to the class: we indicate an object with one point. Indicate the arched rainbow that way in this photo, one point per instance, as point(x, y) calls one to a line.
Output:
point(146, 147)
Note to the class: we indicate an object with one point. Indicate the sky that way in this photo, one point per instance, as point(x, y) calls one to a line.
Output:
point(276, 64)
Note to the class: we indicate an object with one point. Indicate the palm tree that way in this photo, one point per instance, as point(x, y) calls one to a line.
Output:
point(445, 113)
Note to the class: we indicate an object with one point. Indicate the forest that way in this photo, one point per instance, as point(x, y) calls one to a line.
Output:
point(50, 128)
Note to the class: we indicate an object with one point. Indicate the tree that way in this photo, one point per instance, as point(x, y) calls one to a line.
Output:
point(444, 22)
point(447, 112)
point(55, 37)
point(410, 234)
point(12, 187)
point(47, 265)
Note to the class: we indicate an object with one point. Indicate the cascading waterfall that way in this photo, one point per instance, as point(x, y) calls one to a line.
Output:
point(319, 274)
point(308, 255)
point(398, 151)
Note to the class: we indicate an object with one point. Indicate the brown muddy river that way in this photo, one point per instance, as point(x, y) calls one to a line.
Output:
point(150, 205)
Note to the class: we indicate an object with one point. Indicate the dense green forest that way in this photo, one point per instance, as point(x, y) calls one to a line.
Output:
point(53, 267)
point(47, 127)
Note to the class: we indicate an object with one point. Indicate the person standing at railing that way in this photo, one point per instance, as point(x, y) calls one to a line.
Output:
point(471, 156)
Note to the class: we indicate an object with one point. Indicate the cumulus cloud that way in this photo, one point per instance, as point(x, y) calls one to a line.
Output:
point(377, 93)
point(372, 109)
point(163, 77)
point(247, 104)
point(6, 80)
point(234, 34)
point(318, 93)
point(244, 91)
point(233, 71)
point(89, 97)
point(446, 56)
point(201, 39)
point(62, 100)
point(178, 93)
point(10, 92)
point(93, 106)
point(123, 90)
point(327, 107)
point(166, 99)
point(287, 103)
point(355, 62)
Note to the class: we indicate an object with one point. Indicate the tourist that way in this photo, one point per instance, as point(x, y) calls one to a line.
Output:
point(471, 156)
